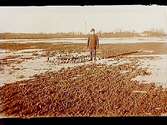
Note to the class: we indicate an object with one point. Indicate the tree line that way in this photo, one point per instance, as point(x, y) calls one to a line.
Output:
point(80, 35)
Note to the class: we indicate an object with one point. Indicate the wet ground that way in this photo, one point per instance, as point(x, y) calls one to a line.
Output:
point(29, 62)
point(82, 40)
point(158, 68)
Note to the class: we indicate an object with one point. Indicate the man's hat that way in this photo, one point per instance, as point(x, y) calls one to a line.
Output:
point(92, 30)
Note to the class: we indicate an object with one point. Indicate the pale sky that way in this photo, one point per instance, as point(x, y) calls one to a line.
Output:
point(53, 19)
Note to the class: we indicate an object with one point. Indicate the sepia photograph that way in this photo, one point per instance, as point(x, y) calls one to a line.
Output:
point(83, 61)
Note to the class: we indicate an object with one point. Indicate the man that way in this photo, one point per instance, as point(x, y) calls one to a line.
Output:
point(93, 43)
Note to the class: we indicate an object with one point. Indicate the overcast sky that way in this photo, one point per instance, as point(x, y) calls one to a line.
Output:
point(82, 18)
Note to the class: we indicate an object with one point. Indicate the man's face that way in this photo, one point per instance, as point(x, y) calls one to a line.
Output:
point(92, 32)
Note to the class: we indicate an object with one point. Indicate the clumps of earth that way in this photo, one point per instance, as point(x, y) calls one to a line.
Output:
point(70, 58)
point(89, 90)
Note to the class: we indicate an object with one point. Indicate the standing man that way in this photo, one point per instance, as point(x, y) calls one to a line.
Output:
point(93, 43)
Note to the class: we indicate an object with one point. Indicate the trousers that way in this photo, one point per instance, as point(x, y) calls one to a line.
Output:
point(93, 54)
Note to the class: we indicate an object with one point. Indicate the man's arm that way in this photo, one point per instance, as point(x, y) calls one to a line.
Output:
point(97, 41)
point(88, 42)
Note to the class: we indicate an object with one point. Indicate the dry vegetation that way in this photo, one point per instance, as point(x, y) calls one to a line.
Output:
point(46, 46)
point(105, 49)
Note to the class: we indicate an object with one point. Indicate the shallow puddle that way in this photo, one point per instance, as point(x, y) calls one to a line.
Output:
point(158, 68)
point(38, 64)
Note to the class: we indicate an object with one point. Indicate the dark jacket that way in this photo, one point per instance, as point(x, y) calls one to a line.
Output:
point(93, 41)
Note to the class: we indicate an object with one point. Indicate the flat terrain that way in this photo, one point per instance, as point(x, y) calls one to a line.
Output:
point(102, 88)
